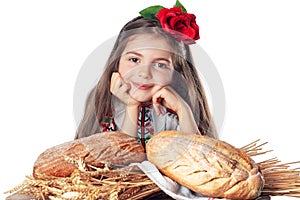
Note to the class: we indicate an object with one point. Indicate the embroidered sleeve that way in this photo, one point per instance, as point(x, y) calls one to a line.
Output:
point(172, 121)
point(108, 124)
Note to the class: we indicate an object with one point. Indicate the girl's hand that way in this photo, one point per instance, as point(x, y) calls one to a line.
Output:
point(120, 89)
point(169, 98)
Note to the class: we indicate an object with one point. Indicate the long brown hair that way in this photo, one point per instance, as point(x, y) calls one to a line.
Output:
point(98, 103)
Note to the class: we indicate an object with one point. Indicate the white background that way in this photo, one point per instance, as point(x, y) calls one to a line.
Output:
point(254, 45)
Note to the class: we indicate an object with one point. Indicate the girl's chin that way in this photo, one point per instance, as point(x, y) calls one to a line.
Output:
point(141, 98)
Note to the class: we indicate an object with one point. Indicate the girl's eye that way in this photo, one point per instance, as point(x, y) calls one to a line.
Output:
point(135, 60)
point(160, 65)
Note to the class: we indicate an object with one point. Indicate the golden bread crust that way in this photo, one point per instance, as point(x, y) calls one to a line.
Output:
point(98, 149)
point(205, 165)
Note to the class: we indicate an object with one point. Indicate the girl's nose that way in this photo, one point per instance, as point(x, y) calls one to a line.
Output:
point(145, 71)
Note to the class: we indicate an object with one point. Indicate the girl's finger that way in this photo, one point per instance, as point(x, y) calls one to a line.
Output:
point(168, 98)
point(123, 88)
point(157, 103)
point(117, 76)
point(162, 110)
point(116, 83)
point(156, 98)
point(113, 81)
point(156, 108)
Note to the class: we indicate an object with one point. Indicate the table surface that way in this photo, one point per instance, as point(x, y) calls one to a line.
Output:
point(156, 196)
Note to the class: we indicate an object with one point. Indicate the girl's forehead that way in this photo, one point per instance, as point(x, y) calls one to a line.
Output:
point(147, 41)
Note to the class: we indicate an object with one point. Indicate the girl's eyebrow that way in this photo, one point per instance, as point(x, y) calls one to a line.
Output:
point(141, 55)
point(164, 59)
point(133, 52)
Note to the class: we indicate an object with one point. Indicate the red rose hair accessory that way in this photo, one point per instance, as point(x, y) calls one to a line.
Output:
point(175, 21)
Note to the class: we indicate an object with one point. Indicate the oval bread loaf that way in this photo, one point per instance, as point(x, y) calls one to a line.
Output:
point(98, 149)
point(211, 167)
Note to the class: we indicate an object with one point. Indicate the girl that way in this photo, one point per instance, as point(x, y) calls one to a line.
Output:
point(150, 84)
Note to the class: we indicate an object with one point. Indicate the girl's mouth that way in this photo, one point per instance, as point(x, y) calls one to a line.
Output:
point(142, 86)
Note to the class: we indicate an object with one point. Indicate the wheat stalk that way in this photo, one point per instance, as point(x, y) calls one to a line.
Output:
point(89, 182)
point(280, 178)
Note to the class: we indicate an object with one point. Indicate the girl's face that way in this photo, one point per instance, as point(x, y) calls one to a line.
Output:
point(146, 65)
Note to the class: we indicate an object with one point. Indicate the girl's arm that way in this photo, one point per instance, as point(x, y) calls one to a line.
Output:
point(186, 119)
point(129, 125)
point(120, 89)
point(170, 99)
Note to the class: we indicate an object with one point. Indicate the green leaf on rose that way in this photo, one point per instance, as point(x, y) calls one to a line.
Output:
point(150, 12)
point(178, 5)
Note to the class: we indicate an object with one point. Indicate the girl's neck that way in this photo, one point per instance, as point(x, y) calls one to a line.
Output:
point(145, 104)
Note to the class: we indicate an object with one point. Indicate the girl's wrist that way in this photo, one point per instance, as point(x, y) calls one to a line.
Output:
point(132, 111)
point(132, 107)
point(186, 119)
point(183, 109)
point(129, 125)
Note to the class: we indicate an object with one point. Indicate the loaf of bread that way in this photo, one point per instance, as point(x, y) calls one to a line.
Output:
point(207, 166)
point(97, 150)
